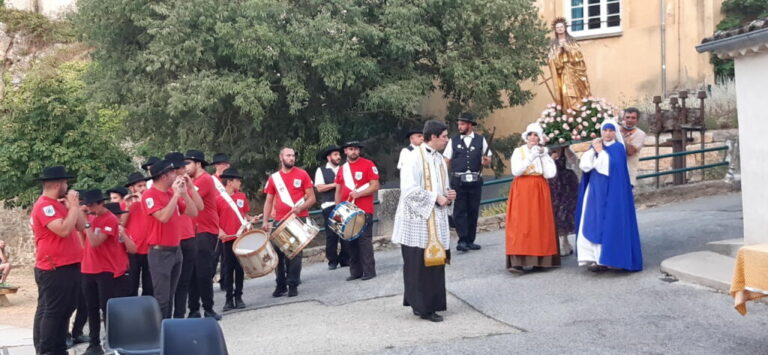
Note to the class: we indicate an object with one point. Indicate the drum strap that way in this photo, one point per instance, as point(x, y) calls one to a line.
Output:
point(349, 182)
point(223, 191)
point(282, 191)
point(434, 253)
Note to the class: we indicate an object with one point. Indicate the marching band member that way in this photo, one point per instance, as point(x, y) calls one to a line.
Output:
point(220, 162)
point(136, 228)
point(230, 224)
point(358, 180)
point(207, 228)
point(165, 202)
point(415, 138)
point(325, 178)
point(58, 252)
point(295, 195)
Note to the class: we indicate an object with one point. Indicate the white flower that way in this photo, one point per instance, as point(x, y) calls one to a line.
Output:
point(570, 119)
point(575, 132)
point(584, 114)
point(584, 133)
point(557, 131)
point(551, 135)
point(559, 107)
point(578, 119)
point(594, 119)
point(584, 100)
point(566, 126)
point(561, 140)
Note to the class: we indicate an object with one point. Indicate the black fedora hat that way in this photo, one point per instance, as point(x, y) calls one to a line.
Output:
point(114, 207)
point(160, 168)
point(352, 144)
point(231, 173)
point(118, 190)
point(468, 117)
point(220, 158)
point(92, 196)
point(135, 178)
point(151, 161)
point(177, 159)
point(196, 155)
point(413, 131)
point(328, 150)
point(55, 173)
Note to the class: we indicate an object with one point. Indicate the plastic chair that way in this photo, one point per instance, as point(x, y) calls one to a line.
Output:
point(192, 336)
point(133, 325)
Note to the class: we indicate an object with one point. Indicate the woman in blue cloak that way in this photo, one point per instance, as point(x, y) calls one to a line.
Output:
point(606, 222)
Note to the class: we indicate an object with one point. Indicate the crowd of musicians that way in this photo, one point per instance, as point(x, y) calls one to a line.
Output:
point(165, 232)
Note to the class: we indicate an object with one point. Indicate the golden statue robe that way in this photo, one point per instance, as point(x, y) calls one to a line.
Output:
point(569, 73)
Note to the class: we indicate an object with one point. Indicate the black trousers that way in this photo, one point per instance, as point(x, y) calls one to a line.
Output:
point(201, 290)
point(189, 253)
point(288, 271)
point(81, 314)
point(140, 275)
point(466, 209)
point(232, 275)
point(98, 289)
point(361, 261)
point(58, 293)
point(424, 289)
point(332, 241)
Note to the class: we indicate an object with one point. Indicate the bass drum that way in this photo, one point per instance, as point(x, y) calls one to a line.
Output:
point(255, 253)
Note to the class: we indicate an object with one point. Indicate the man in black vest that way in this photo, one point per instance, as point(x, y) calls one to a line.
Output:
point(467, 153)
point(415, 137)
point(325, 178)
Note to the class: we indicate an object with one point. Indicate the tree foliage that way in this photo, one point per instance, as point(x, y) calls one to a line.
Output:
point(249, 76)
point(48, 121)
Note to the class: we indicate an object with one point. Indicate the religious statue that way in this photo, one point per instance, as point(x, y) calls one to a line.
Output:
point(566, 64)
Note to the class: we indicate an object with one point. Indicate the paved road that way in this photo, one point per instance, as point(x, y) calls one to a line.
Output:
point(568, 310)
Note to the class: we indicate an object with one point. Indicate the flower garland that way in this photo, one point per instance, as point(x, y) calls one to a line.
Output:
point(568, 127)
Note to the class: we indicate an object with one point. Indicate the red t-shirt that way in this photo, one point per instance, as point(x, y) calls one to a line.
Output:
point(228, 221)
point(207, 220)
point(296, 181)
point(362, 172)
point(51, 250)
point(168, 233)
point(136, 227)
point(187, 226)
point(110, 255)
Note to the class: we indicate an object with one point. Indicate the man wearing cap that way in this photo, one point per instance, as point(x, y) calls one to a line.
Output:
point(467, 153)
point(415, 137)
point(188, 244)
point(295, 195)
point(232, 213)
point(357, 181)
point(165, 202)
point(105, 262)
point(58, 252)
point(207, 228)
point(325, 178)
point(136, 228)
point(220, 162)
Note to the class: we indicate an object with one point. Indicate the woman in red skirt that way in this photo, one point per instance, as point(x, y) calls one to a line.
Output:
point(530, 231)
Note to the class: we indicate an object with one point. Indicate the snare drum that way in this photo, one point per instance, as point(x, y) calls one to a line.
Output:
point(255, 253)
point(292, 235)
point(347, 221)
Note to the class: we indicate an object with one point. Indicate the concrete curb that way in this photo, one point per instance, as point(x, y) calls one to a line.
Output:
point(705, 268)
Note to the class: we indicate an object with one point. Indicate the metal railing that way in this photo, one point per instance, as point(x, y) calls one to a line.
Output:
point(657, 174)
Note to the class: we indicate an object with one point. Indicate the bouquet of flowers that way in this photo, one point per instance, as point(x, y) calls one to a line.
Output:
point(573, 126)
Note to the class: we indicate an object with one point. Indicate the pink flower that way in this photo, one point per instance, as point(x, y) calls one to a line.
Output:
point(597, 126)
point(584, 100)
point(593, 135)
point(584, 133)
point(566, 126)
point(559, 107)
point(561, 140)
point(570, 119)
point(594, 119)
point(584, 114)
point(579, 127)
point(575, 132)
point(551, 135)
point(557, 131)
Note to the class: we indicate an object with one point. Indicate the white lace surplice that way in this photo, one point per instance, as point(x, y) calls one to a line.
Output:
point(416, 203)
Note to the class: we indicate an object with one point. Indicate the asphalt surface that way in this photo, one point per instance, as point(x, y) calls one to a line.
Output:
point(568, 310)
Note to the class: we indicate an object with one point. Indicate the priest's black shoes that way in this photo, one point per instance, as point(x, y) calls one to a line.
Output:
point(473, 246)
point(353, 278)
point(279, 291)
point(462, 247)
point(432, 317)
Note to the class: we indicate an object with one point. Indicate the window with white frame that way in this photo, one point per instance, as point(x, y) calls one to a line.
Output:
point(588, 18)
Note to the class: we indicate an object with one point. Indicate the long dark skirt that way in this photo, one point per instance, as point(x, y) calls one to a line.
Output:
point(424, 286)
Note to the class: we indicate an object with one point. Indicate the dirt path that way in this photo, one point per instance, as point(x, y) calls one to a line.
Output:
point(21, 312)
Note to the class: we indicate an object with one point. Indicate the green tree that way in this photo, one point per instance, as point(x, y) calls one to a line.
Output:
point(737, 13)
point(247, 77)
point(48, 120)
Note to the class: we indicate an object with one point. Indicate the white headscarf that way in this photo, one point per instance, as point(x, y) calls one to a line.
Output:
point(616, 127)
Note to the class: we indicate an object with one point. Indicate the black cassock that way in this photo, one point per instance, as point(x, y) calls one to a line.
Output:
point(424, 286)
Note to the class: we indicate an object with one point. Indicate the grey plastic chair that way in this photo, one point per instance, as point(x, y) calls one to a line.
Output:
point(133, 325)
point(192, 336)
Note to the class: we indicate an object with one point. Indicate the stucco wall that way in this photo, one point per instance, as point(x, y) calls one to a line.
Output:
point(751, 88)
point(625, 67)
point(49, 8)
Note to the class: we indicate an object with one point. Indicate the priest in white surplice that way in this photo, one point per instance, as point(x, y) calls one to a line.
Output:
point(421, 224)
